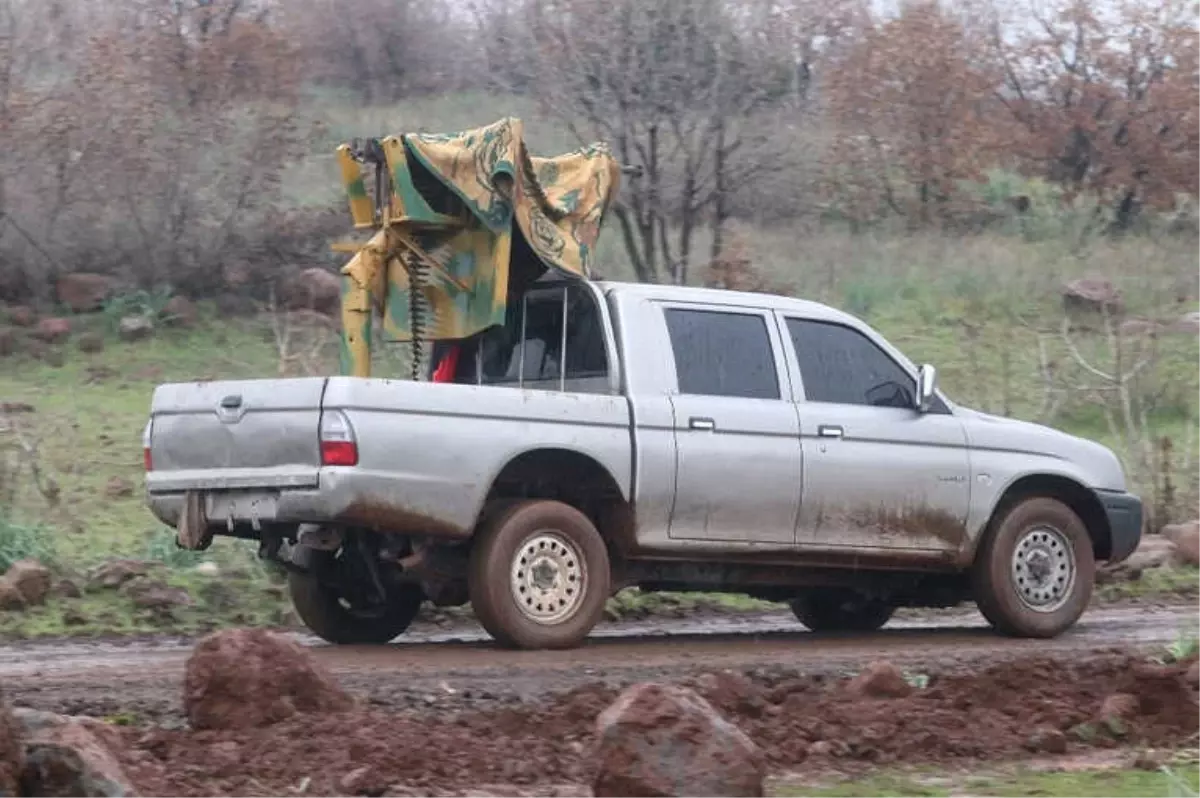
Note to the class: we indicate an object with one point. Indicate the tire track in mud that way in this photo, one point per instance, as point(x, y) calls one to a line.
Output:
point(434, 669)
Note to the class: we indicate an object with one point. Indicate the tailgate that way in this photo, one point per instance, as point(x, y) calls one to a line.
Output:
point(235, 434)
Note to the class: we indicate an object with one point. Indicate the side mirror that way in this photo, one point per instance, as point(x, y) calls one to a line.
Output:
point(926, 386)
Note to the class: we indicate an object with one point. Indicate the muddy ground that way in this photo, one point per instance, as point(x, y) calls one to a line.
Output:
point(446, 711)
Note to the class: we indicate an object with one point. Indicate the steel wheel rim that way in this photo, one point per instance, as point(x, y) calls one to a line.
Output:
point(548, 578)
point(1043, 569)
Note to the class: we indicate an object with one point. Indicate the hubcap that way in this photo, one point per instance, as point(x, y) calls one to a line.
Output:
point(548, 579)
point(1043, 568)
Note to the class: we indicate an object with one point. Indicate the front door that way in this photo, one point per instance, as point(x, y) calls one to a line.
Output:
point(737, 442)
point(878, 473)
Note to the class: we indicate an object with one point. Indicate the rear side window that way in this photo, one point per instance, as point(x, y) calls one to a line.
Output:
point(722, 354)
point(842, 366)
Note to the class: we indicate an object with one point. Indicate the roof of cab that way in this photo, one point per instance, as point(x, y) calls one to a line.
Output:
point(721, 296)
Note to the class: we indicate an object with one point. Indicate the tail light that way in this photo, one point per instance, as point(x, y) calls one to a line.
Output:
point(147, 460)
point(338, 447)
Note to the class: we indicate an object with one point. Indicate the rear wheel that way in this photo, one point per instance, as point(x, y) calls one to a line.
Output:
point(834, 610)
point(1035, 568)
point(538, 575)
point(342, 609)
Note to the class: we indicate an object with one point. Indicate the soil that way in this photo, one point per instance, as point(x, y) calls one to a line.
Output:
point(450, 713)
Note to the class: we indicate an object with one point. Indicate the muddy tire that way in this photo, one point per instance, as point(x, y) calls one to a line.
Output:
point(326, 615)
point(538, 575)
point(840, 611)
point(1035, 568)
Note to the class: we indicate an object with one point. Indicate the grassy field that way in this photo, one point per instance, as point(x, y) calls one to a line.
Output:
point(985, 310)
point(1179, 778)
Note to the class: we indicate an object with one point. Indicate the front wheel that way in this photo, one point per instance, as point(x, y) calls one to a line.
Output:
point(832, 610)
point(538, 575)
point(336, 609)
point(1035, 568)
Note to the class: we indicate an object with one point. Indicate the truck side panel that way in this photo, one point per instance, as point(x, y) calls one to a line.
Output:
point(428, 454)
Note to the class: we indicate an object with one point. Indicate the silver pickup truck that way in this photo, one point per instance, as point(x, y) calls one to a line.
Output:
point(613, 435)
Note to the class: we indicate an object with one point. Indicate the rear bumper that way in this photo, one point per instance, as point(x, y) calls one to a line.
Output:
point(343, 496)
point(1124, 512)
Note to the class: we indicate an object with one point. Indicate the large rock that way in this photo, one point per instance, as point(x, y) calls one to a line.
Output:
point(83, 291)
point(242, 678)
point(1153, 551)
point(70, 756)
point(313, 289)
point(1186, 540)
point(12, 754)
point(90, 342)
point(10, 597)
point(1092, 294)
point(53, 330)
point(30, 578)
point(155, 594)
point(666, 740)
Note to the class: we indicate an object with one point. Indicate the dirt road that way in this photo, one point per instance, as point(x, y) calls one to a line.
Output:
point(462, 669)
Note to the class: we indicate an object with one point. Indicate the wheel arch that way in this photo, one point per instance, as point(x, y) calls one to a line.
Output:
point(1081, 499)
point(563, 474)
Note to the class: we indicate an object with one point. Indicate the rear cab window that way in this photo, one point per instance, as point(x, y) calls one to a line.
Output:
point(722, 353)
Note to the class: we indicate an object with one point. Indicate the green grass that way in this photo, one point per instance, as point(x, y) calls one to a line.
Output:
point(1176, 780)
point(1156, 583)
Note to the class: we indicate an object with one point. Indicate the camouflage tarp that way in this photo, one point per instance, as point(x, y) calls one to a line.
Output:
point(487, 179)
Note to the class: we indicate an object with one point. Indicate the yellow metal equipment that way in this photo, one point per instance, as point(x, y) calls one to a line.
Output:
point(459, 225)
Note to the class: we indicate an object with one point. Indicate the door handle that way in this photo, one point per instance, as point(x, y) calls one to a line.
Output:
point(695, 422)
point(830, 431)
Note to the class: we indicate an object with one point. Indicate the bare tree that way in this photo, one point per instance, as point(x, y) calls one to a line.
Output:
point(696, 94)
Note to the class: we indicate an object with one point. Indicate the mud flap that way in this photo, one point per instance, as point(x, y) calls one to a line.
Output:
point(193, 532)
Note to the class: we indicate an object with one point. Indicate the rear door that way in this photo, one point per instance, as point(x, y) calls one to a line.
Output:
point(251, 433)
point(878, 473)
point(737, 444)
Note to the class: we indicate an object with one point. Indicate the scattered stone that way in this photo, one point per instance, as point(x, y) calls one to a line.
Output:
point(10, 597)
point(135, 328)
point(1092, 294)
point(1138, 328)
point(53, 330)
point(21, 316)
point(118, 488)
point(1149, 760)
point(313, 289)
point(666, 740)
point(70, 756)
point(155, 594)
point(1186, 540)
point(224, 757)
point(83, 291)
point(208, 568)
point(243, 678)
point(67, 588)
point(1192, 677)
point(1154, 551)
point(730, 691)
point(820, 748)
point(30, 578)
point(112, 574)
point(361, 781)
point(12, 753)
point(1047, 740)
point(90, 343)
point(180, 312)
point(1188, 324)
point(1118, 705)
point(880, 679)
point(16, 407)
point(10, 341)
